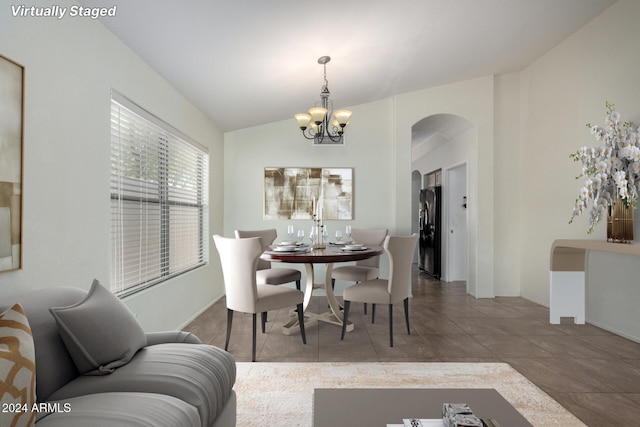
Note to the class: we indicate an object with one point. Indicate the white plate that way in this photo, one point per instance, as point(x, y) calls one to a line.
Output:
point(354, 249)
point(285, 248)
point(288, 243)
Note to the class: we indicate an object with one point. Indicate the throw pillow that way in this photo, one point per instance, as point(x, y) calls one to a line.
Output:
point(100, 332)
point(17, 369)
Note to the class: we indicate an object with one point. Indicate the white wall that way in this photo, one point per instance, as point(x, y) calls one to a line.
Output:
point(472, 100)
point(453, 152)
point(369, 150)
point(71, 65)
point(508, 179)
point(566, 89)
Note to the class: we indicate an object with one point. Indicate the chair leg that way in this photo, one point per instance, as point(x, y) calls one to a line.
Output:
point(301, 322)
point(263, 318)
point(345, 317)
point(298, 284)
point(229, 322)
point(390, 325)
point(406, 314)
point(253, 344)
point(333, 284)
point(373, 312)
point(365, 309)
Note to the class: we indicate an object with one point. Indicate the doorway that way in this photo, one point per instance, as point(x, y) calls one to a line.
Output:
point(455, 240)
point(446, 142)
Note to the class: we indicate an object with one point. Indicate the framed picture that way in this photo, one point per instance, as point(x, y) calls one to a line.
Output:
point(11, 163)
point(292, 193)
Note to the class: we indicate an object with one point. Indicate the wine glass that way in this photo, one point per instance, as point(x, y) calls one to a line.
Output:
point(338, 236)
point(300, 235)
point(312, 234)
point(348, 233)
point(290, 231)
point(325, 233)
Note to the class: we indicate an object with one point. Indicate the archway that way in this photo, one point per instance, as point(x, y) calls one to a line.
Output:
point(444, 142)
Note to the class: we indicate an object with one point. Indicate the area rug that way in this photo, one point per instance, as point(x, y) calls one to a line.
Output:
point(281, 394)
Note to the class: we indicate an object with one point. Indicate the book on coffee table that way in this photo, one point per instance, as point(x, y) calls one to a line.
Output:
point(423, 423)
point(488, 422)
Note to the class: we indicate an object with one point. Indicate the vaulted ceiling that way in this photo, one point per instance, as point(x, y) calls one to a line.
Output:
point(250, 62)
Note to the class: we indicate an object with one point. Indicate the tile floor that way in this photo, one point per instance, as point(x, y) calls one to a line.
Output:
point(591, 372)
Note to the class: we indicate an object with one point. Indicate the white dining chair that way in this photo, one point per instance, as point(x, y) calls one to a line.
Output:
point(400, 250)
point(364, 270)
point(266, 274)
point(239, 260)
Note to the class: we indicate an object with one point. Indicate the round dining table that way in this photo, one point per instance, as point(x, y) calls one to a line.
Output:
point(328, 255)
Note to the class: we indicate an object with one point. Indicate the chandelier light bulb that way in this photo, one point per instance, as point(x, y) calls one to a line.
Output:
point(342, 117)
point(303, 120)
point(318, 114)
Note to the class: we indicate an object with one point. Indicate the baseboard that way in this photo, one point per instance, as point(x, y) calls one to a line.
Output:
point(614, 331)
point(198, 313)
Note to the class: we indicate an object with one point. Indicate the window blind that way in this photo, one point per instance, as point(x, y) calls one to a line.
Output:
point(159, 199)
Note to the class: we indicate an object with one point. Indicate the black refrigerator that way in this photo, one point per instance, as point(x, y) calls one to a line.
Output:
point(430, 243)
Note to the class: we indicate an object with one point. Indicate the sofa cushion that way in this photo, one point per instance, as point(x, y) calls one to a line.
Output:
point(199, 374)
point(121, 410)
point(54, 366)
point(99, 331)
point(17, 369)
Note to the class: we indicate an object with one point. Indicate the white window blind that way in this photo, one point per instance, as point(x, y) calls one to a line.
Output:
point(159, 199)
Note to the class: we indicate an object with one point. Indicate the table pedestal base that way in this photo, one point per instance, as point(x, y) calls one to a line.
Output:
point(334, 316)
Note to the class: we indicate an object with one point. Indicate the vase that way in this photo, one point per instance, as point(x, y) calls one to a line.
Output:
point(620, 222)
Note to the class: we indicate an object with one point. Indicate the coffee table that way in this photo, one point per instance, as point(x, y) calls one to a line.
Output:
point(334, 407)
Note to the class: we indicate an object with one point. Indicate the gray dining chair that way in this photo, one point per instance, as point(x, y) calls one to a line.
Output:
point(239, 260)
point(364, 270)
point(400, 250)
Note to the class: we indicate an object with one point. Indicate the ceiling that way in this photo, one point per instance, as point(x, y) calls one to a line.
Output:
point(250, 62)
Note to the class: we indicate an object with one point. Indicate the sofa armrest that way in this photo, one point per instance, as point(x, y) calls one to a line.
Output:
point(154, 338)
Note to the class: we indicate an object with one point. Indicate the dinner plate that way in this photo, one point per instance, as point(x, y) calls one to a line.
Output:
point(285, 248)
point(361, 248)
point(354, 246)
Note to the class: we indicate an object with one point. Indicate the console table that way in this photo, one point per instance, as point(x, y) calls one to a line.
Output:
point(567, 275)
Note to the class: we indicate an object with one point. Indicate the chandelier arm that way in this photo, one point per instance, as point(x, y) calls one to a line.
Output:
point(335, 138)
point(307, 133)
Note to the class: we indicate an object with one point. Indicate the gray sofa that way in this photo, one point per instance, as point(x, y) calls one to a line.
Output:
point(171, 380)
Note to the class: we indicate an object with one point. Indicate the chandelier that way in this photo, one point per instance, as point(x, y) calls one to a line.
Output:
point(322, 124)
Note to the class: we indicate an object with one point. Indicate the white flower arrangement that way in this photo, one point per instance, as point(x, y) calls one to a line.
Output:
point(612, 169)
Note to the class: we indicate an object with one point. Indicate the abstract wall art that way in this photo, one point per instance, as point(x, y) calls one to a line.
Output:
point(292, 193)
point(11, 163)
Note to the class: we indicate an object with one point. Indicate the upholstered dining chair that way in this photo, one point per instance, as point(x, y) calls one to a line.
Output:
point(266, 275)
point(397, 288)
point(239, 260)
point(367, 269)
